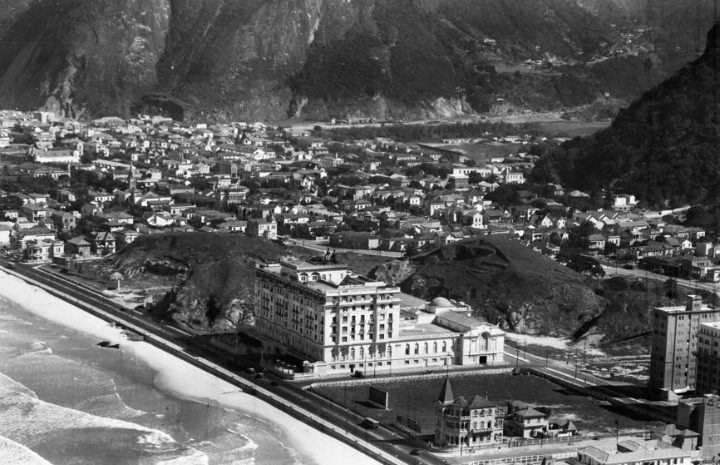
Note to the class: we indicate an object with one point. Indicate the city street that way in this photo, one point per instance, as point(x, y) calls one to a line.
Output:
point(322, 248)
point(637, 273)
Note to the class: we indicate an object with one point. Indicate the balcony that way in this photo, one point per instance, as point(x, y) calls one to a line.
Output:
point(453, 418)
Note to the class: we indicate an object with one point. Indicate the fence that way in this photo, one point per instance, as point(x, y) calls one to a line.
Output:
point(434, 374)
point(527, 459)
point(519, 442)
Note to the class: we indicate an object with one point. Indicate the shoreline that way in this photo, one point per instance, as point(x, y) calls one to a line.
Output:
point(172, 367)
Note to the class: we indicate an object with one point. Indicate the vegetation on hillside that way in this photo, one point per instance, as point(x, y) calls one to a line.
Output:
point(211, 276)
point(265, 60)
point(663, 148)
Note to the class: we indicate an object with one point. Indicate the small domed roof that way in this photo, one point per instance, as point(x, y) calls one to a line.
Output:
point(441, 302)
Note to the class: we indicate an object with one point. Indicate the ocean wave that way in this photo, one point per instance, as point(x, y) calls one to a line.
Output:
point(194, 457)
point(249, 445)
point(36, 423)
point(17, 454)
point(171, 375)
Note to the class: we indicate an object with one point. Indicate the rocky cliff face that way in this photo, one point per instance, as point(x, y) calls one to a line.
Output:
point(270, 59)
point(203, 280)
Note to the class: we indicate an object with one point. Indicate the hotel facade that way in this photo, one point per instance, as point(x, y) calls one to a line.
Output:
point(336, 321)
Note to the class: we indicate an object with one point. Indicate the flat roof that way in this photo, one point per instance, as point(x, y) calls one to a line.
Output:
point(683, 309)
point(423, 331)
point(461, 319)
point(409, 301)
point(303, 265)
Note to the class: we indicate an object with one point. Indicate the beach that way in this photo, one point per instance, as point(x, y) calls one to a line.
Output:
point(67, 400)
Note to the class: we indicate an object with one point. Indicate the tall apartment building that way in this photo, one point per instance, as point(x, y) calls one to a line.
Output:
point(673, 363)
point(337, 321)
point(708, 358)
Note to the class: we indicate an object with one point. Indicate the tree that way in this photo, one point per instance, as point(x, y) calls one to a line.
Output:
point(578, 235)
point(117, 277)
point(301, 231)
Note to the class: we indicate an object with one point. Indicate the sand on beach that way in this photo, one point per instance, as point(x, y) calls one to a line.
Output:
point(179, 378)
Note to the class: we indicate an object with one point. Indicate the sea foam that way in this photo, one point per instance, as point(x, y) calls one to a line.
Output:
point(17, 454)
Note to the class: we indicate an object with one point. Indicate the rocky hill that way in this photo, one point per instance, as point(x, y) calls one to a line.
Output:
point(270, 59)
point(207, 281)
point(505, 282)
point(524, 292)
point(201, 279)
point(663, 148)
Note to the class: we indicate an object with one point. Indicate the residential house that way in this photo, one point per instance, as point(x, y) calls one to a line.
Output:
point(102, 243)
point(33, 212)
point(596, 241)
point(465, 421)
point(561, 428)
point(524, 421)
point(125, 237)
point(64, 221)
point(90, 209)
point(681, 438)
point(472, 218)
point(445, 238)
point(158, 219)
point(259, 227)
point(78, 246)
point(42, 251)
point(355, 240)
point(695, 267)
point(5, 230)
point(493, 216)
point(32, 234)
point(513, 177)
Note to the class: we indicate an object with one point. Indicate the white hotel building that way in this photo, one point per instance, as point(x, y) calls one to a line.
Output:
point(337, 321)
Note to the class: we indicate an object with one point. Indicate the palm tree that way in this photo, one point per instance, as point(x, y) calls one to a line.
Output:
point(117, 276)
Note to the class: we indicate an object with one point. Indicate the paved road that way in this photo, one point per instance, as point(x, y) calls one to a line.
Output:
point(310, 245)
point(637, 273)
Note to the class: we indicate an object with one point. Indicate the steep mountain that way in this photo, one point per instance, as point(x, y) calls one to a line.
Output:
point(663, 148)
point(270, 59)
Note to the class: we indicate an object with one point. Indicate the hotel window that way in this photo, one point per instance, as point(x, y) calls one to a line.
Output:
point(417, 348)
